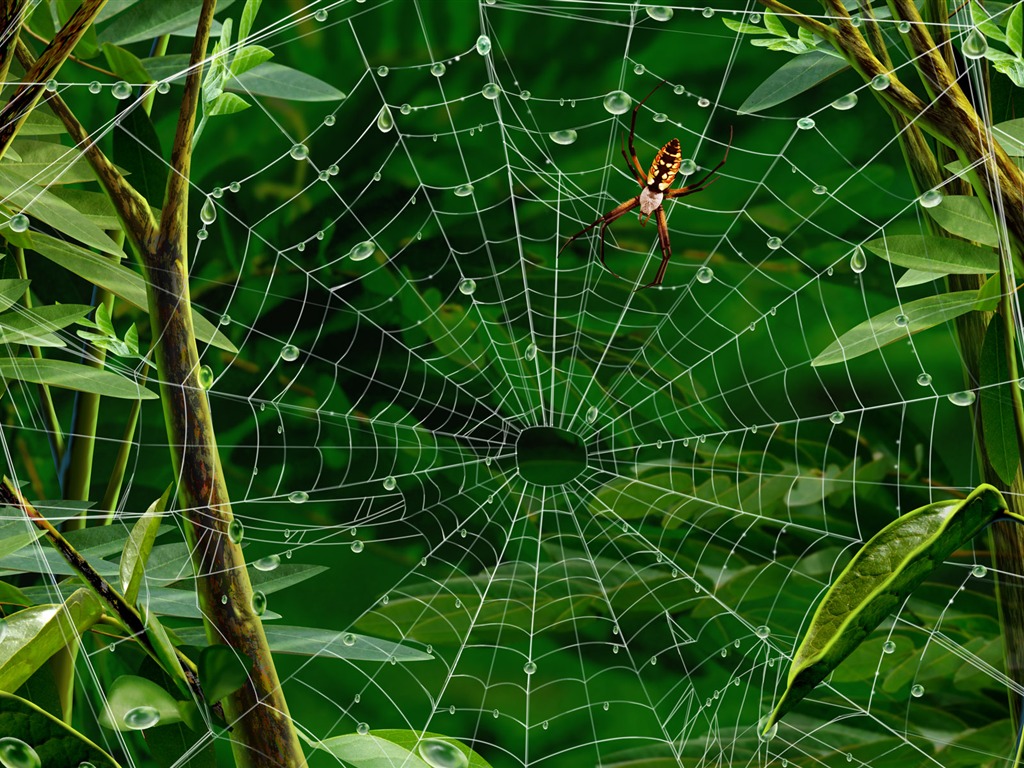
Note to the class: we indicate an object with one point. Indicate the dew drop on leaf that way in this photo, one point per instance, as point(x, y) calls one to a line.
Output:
point(902, 320)
point(617, 102)
point(18, 222)
point(442, 754)
point(140, 718)
point(15, 753)
point(362, 729)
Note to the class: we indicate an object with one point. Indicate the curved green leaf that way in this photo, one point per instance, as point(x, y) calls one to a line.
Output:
point(223, 671)
point(1010, 135)
point(791, 79)
point(997, 417)
point(37, 633)
point(138, 546)
point(151, 18)
point(268, 79)
point(389, 748)
point(965, 217)
point(327, 643)
point(882, 329)
point(128, 693)
point(917, 277)
point(63, 746)
point(83, 378)
point(932, 253)
point(1015, 30)
point(35, 326)
point(880, 577)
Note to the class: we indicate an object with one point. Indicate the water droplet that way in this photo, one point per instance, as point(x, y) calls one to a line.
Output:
point(805, 123)
point(259, 603)
point(382, 71)
point(924, 379)
point(385, 120)
point(483, 45)
point(363, 250)
point(705, 275)
point(888, 647)
point(348, 639)
point(855, 21)
point(660, 117)
point(464, 190)
point(964, 398)
point(121, 91)
point(390, 483)
point(654, 660)
point(268, 563)
point(591, 416)
point(95, 87)
point(775, 243)
point(639, 69)
point(491, 91)
point(299, 152)
point(902, 320)
point(858, 260)
point(687, 167)
point(617, 102)
point(763, 631)
point(678, 90)
point(140, 718)
point(467, 287)
point(754, 18)
point(437, 69)
point(837, 417)
point(18, 222)
point(234, 186)
point(442, 754)
point(495, 713)
point(564, 137)
point(770, 733)
point(357, 546)
point(531, 352)
point(529, 668)
point(208, 213)
point(333, 169)
point(15, 753)
point(917, 691)
point(202, 234)
point(880, 82)
point(707, 13)
point(819, 189)
point(289, 353)
point(979, 571)
point(903, 27)
point(298, 497)
point(843, 103)
point(205, 376)
point(658, 444)
point(702, 102)
point(930, 199)
point(362, 729)
point(605, 706)
point(236, 531)
point(376, 176)
point(659, 12)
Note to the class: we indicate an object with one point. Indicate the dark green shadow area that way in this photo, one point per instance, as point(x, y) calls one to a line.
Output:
point(550, 456)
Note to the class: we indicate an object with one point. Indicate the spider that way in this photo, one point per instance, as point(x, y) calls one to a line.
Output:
point(654, 191)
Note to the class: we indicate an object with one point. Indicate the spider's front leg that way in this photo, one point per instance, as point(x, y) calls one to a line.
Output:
point(666, 248)
point(604, 221)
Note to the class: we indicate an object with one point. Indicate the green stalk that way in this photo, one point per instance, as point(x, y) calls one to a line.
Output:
point(113, 493)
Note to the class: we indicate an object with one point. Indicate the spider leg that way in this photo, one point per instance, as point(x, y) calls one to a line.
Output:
point(666, 248)
point(611, 216)
point(632, 133)
point(632, 172)
point(705, 182)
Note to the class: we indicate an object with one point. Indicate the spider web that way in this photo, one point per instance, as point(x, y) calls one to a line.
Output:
point(604, 515)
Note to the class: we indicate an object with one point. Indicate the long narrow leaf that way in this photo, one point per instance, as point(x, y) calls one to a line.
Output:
point(83, 378)
point(791, 79)
point(999, 424)
point(935, 254)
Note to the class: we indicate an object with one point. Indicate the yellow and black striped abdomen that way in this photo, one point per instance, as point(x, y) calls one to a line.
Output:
point(665, 167)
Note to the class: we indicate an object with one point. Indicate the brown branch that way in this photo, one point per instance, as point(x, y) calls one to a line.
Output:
point(15, 112)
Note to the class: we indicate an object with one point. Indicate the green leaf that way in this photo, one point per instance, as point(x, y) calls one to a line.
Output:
point(386, 749)
point(44, 163)
point(63, 746)
point(16, 532)
point(11, 291)
point(773, 23)
point(1015, 30)
point(35, 326)
point(35, 634)
point(1010, 135)
point(997, 416)
point(128, 693)
point(226, 104)
point(140, 543)
point(791, 79)
point(932, 253)
point(985, 23)
point(252, 7)
point(125, 65)
point(268, 79)
point(328, 643)
point(917, 277)
point(249, 57)
point(965, 217)
point(103, 321)
point(222, 671)
point(110, 275)
point(137, 150)
point(882, 329)
point(163, 649)
point(83, 378)
point(880, 577)
point(147, 19)
point(743, 28)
